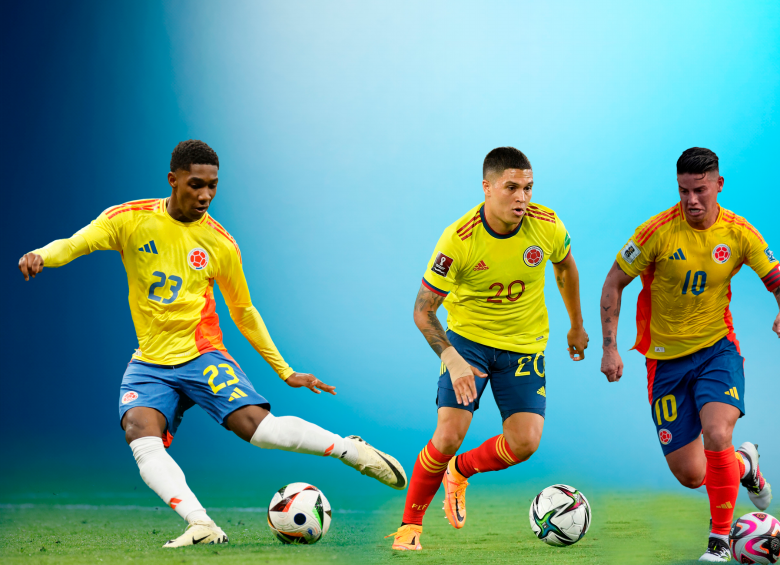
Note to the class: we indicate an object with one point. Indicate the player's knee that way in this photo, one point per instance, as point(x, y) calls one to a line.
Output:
point(717, 437)
point(690, 478)
point(448, 440)
point(522, 446)
point(143, 422)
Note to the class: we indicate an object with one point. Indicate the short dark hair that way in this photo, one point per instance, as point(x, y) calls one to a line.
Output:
point(192, 152)
point(503, 158)
point(697, 161)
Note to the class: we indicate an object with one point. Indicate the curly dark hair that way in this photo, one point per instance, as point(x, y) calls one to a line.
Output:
point(502, 158)
point(697, 161)
point(192, 152)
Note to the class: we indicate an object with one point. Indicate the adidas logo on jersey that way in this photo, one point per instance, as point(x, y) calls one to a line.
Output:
point(149, 248)
point(481, 266)
point(732, 392)
point(678, 256)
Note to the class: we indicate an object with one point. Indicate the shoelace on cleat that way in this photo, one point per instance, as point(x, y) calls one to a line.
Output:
point(398, 532)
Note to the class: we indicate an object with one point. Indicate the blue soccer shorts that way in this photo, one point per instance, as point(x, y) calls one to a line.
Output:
point(213, 381)
point(517, 379)
point(679, 388)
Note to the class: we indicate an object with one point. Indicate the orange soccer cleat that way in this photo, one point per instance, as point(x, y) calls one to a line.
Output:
point(407, 538)
point(454, 495)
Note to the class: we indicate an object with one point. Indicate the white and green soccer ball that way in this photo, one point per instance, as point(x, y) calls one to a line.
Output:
point(560, 515)
point(299, 513)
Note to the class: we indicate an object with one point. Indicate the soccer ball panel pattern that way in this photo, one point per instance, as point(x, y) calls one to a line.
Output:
point(560, 515)
point(299, 513)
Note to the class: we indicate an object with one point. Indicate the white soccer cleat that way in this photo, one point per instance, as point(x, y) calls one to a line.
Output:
point(759, 490)
point(204, 533)
point(378, 465)
point(717, 551)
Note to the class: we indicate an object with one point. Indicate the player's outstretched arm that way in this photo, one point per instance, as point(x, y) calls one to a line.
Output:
point(461, 373)
point(568, 278)
point(252, 327)
point(611, 295)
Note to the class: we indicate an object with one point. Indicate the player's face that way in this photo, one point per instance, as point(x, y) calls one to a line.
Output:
point(193, 190)
point(508, 195)
point(699, 196)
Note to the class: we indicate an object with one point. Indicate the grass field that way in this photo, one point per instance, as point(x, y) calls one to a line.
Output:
point(626, 528)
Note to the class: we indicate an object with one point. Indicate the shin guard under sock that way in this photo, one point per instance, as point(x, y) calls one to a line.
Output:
point(426, 478)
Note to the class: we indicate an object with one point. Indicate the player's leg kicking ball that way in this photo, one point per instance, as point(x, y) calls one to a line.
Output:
point(759, 491)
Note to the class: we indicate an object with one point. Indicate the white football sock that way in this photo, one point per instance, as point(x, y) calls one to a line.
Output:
point(724, 537)
point(161, 473)
point(746, 461)
point(289, 433)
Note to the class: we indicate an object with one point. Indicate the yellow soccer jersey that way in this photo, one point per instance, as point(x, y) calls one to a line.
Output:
point(494, 283)
point(171, 269)
point(686, 279)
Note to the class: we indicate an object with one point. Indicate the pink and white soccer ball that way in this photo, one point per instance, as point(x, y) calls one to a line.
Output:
point(755, 538)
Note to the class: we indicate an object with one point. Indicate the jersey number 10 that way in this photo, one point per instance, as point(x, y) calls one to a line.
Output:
point(697, 286)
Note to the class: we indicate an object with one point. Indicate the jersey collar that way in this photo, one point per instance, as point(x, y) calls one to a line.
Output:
point(495, 234)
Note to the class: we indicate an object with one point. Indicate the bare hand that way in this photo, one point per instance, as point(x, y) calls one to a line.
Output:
point(465, 387)
point(30, 264)
point(612, 365)
point(298, 380)
point(776, 326)
point(578, 342)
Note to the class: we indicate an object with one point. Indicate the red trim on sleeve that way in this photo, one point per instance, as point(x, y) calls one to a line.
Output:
point(772, 279)
point(433, 289)
point(562, 260)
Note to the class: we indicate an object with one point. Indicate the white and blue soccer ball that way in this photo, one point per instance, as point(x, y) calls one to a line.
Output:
point(560, 515)
point(755, 538)
point(299, 513)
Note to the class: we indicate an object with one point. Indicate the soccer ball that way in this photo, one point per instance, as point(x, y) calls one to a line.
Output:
point(560, 515)
point(299, 513)
point(755, 538)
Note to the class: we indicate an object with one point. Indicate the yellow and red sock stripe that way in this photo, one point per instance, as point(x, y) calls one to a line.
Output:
point(430, 464)
point(503, 451)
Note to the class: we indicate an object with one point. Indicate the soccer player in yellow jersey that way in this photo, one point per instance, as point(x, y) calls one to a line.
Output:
point(174, 251)
point(488, 271)
point(686, 257)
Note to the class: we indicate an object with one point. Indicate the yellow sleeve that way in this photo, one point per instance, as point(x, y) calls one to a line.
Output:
point(232, 282)
point(760, 258)
point(444, 265)
point(253, 329)
point(634, 258)
point(561, 242)
point(99, 235)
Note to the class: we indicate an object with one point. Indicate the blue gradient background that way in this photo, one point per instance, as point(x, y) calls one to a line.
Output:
point(350, 134)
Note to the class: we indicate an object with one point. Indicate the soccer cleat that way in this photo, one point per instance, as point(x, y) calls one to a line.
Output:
point(717, 551)
point(204, 533)
point(378, 465)
point(407, 538)
point(454, 495)
point(759, 491)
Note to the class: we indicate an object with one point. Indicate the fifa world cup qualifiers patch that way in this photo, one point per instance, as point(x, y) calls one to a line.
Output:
point(770, 255)
point(630, 252)
point(442, 264)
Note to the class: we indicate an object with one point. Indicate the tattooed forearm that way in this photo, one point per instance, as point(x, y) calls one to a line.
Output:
point(435, 335)
point(425, 307)
point(610, 342)
point(561, 281)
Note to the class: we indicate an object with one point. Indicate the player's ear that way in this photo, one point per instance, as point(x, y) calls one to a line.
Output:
point(172, 180)
point(721, 182)
point(486, 187)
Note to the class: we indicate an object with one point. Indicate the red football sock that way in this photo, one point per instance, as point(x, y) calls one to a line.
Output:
point(426, 478)
point(493, 455)
point(722, 488)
